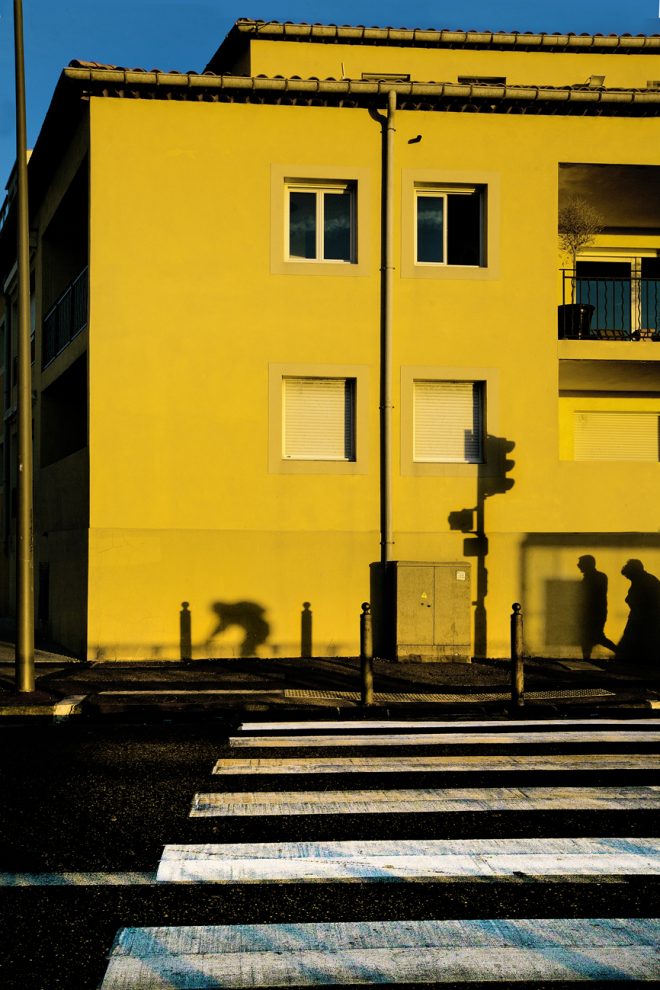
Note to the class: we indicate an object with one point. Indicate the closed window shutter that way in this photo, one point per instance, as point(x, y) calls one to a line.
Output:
point(617, 436)
point(448, 422)
point(318, 419)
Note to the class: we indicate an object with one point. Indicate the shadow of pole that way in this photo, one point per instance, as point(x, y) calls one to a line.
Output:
point(492, 479)
point(480, 545)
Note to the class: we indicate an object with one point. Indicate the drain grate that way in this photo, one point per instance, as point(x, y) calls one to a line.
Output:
point(451, 698)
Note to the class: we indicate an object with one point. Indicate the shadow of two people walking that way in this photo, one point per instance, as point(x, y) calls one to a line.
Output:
point(640, 641)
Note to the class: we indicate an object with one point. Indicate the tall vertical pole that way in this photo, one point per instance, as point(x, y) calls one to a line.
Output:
point(386, 537)
point(24, 540)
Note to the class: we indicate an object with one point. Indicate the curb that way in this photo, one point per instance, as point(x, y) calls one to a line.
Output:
point(621, 707)
point(189, 706)
point(61, 708)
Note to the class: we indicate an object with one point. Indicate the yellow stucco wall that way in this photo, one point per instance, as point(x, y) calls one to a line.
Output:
point(186, 317)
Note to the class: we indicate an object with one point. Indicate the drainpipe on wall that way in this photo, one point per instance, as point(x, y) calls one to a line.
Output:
point(386, 538)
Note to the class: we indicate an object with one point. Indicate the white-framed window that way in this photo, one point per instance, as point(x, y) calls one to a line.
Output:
point(318, 418)
point(448, 422)
point(616, 435)
point(321, 222)
point(449, 225)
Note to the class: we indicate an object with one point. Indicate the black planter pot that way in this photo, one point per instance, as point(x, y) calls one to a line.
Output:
point(574, 320)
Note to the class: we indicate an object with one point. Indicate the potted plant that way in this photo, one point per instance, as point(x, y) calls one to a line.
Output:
point(579, 222)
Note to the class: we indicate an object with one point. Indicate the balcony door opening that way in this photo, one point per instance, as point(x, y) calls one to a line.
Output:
point(625, 295)
point(616, 278)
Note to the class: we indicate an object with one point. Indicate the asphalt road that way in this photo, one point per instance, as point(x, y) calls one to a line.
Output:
point(81, 799)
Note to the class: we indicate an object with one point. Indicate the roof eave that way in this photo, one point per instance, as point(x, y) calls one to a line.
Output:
point(245, 30)
point(107, 81)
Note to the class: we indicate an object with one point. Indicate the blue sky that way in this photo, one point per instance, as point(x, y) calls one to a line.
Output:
point(183, 35)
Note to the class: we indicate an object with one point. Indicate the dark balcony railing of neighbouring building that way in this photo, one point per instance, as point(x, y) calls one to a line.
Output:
point(65, 319)
point(604, 308)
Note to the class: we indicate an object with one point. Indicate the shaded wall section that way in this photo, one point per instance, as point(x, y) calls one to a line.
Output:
point(243, 591)
point(63, 570)
point(192, 594)
point(552, 588)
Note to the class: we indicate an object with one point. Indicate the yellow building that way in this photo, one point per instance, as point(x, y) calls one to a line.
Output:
point(299, 314)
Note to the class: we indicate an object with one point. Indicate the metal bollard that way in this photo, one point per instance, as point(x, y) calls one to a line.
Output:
point(517, 666)
point(366, 656)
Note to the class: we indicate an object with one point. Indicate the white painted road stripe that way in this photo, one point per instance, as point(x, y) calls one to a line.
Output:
point(347, 848)
point(425, 800)
point(501, 950)
point(105, 878)
point(446, 739)
point(342, 725)
point(438, 764)
point(431, 859)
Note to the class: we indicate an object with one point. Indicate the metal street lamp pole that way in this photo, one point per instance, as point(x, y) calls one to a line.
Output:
point(24, 538)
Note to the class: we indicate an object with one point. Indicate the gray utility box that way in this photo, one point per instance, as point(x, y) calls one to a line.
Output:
point(422, 611)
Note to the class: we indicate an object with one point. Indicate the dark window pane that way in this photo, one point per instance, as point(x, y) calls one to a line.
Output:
point(337, 226)
point(349, 420)
point(650, 267)
point(302, 225)
point(464, 229)
point(429, 228)
point(603, 269)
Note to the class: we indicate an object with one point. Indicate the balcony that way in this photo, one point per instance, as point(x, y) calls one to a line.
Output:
point(597, 307)
point(66, 319)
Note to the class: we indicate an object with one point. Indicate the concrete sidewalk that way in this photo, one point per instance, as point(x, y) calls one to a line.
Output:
point(160, 690)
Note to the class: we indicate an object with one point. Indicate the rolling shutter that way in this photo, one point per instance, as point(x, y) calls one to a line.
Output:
point(318, 419)
point(448, 422)
point(617, 436)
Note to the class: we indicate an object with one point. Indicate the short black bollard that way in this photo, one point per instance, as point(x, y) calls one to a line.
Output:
point(517, 666)
point(366, 656)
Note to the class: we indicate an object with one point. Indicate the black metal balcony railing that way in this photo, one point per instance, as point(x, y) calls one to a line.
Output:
point(599, 308)
point(65, 319)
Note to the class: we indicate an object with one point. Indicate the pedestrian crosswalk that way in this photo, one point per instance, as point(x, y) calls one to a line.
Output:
point(432, 952)
point(596, 760)
point(408, 859)
point(485, 763)
point(261, 729)
point(440, 738)
point(425, 800)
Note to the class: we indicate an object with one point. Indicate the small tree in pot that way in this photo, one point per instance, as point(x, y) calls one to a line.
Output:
point(579, 222)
